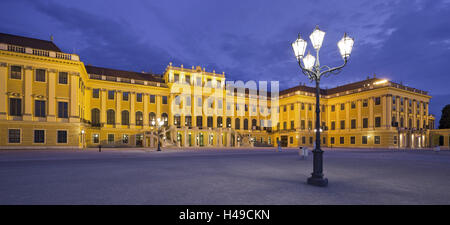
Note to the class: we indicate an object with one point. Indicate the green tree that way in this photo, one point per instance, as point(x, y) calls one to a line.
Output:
point(444, 122)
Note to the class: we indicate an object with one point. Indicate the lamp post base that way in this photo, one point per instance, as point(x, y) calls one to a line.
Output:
point(318, 181)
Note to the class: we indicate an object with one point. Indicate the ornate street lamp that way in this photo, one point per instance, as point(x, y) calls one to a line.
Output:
point(159, 124)
point(312, 69)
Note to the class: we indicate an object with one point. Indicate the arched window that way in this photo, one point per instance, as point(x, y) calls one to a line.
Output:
point(110, 116)
point(199, 121)
point(125, 117)
point(139, 118)
point(219, 121)
point(151, 118)
point(209, 121)
point(228, 122)
point(245, 124)
point(177, 120)
point(254, 124)
point(165, 119)
point(95, 117)
point(237, 124)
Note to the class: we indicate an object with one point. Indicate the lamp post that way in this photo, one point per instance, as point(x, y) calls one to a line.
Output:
point(312, 69)
point(158, 124)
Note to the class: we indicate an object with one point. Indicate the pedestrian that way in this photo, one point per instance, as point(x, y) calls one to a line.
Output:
point(279, 145)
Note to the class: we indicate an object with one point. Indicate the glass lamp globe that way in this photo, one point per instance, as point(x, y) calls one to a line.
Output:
point(317, 38)
point(345, 46)
point(309, 61)
point(299, 47)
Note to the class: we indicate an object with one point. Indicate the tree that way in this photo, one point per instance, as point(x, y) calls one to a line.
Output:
point(444, 122)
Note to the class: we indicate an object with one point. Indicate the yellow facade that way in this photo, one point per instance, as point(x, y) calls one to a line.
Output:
point(85, 106)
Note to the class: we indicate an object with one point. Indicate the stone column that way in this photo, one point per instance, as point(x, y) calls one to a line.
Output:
point(51, 104)
point(132, 98)
point(118, 109)
point(146, 100)
point(74, 112)
point(158, 106)
point(347, 116)
point(389, 111)
point(3, 90)
point(383, 110)
point(103, 114)
point(359, 118)
point(28, 91)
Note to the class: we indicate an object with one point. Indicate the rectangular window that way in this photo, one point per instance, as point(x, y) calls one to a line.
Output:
point(303, 106)
point(125, 139)
point(199, 81)
point(342, 106)
point(341, 140)
point(111, 95)
point(125, 96)
point(16, 72)
point(284, 125)
point(199, 103)
point(292, 106)
point(309, 124)
point(228, 106)
point(364, 140)
point(15, 107)
point(310, 140)
point(365, 122)
point(365, 103)
point(332, 140)
point(164, 100)
point(395, 140)
point(377, 101)
point(352, 140)
point(333, 108)
point(110, 138)
point(39, 108)
point(62, 78)
point(95, 139)
point(353, 124)
point(303, 124)
point(377, 140)
point(378, 121)
point(353, 105)
point(95, 93)
point(219, 104)
point(187, 79)
point(62, 110)
point(139, 97)
point(13, 135)
point(176, 78)
point(291, 140)
point(309, 107)
point(292, 124)
point(284, 108)
point(342, 124)
point(40, 75)
point(39, 136)
point(62, 136)
point(333, 125)
point(188, 101)
point(303, 140)
point(152, 98)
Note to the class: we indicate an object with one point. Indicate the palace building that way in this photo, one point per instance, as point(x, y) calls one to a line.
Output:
point(51, 99)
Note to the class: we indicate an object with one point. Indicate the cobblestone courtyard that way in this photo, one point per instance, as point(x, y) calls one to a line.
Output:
point(207, 176)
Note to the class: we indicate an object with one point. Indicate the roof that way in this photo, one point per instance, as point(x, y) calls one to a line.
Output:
point(123, 74)
point(28, 42)
point(347, 87)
